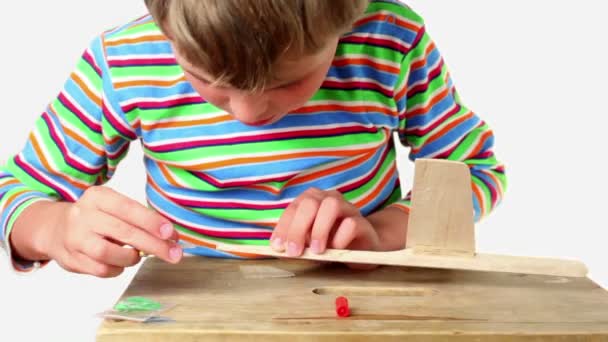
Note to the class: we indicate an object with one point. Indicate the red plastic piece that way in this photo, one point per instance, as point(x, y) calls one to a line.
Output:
point(342, 309)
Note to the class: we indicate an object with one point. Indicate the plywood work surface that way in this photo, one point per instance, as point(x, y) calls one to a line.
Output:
point(215, 301)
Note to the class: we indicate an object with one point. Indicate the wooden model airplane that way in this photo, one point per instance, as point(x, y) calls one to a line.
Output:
point(440, 232)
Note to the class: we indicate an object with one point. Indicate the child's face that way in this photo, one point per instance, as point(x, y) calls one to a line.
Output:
point(296, 81)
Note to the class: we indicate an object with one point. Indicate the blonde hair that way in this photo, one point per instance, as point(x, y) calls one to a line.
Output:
point(238, 42)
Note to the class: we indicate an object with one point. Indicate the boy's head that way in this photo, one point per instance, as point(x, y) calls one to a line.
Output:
point(255, 59)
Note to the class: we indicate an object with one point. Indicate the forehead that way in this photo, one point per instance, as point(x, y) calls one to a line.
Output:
point(290, 68)
point(293, 67)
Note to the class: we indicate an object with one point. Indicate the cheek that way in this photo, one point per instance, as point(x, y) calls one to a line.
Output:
point(308, 88)
point(295, 97)
point(214, 96)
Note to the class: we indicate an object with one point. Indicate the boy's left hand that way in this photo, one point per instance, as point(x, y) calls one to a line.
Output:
point(320, 220)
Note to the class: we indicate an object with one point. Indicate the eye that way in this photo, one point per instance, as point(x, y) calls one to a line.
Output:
point(291, 85)
point(197, 78)
point(202, 80)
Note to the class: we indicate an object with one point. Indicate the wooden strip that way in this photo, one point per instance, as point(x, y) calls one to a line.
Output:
point(407, 257)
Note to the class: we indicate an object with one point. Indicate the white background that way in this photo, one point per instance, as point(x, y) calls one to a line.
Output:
point(534, 70)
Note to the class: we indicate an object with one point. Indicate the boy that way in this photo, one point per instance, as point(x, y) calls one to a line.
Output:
point(262, 121)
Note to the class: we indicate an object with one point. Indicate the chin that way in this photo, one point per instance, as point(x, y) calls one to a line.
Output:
point(259, 123)
point(263, 122)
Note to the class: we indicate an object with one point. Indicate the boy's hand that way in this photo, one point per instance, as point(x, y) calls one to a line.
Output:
point(88, 236)
point(321, 220)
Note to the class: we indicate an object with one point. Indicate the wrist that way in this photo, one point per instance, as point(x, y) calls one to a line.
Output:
point(31, 237)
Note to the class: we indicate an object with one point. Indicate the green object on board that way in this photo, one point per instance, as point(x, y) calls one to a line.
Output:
point(131, 304)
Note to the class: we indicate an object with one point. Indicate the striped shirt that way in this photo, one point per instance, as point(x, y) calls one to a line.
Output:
point(219, 180)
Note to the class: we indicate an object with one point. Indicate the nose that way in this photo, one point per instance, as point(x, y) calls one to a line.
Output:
point(248, 107)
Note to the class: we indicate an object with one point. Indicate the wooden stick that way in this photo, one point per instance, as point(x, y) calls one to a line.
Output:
point(407, 257)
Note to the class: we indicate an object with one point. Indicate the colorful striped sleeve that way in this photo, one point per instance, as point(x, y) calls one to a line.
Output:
point(434, 123)
point(76, 143)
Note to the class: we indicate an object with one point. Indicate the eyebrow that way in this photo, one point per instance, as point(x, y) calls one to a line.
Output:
point(196, 75)
point(282, 83)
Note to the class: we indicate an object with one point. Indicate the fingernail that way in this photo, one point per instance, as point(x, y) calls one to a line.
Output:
point(175, 253)
point(315, 246)
point(166, 230)
point(292, 249)
point(277, 244)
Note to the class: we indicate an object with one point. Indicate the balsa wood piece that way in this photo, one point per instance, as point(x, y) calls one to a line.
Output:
point(441, 219)
point(407, 257)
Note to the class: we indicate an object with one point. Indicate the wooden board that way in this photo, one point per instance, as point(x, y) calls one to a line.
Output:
point(215, 302)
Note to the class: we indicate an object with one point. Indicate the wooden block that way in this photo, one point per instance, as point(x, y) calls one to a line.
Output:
point(441, 219)
point(216, 303)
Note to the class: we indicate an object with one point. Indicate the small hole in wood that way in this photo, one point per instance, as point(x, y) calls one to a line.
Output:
point(375, 291)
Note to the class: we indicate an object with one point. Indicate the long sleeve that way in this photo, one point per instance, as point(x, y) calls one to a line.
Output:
point(434, 123)
point(76, 143)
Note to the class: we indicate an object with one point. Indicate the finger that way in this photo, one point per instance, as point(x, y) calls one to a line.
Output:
point(142, 240)
point(277, 239)
point(334, 193)
point(302, 224)
point(279, 234)
point(104, 251)
point(115, 242)
point(349, 230)
point(131, 211)
point(324, 223)
point(332, 209)
point(348, 208)
point(86, 265)
point(67, 262)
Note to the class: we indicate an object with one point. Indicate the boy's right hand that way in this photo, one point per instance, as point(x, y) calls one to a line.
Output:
point(89, 236)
